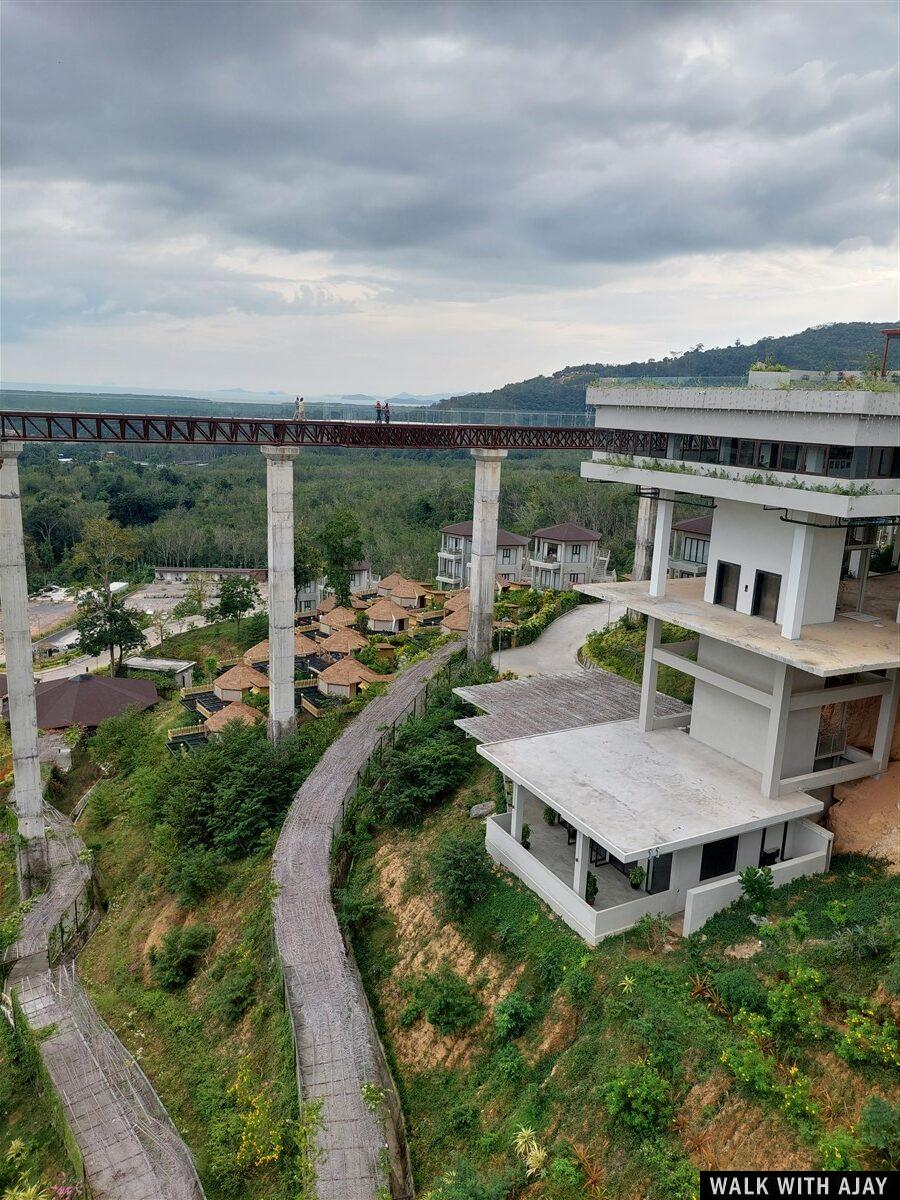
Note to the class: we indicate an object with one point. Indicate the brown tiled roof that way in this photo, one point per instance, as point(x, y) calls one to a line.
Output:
point(338, 617)
point(348, 670)
point(567, 532)
point(327, 604)
point(408, 589)
point(343, 641)
point(458, 620)
point(696, 525)
point(504, 537)
point(241, 676)
point(358, 603)
point(460, 600)
point(303, 646)
point(89, 699)
point(386, 610)
point(232, 712)
point(390, 581)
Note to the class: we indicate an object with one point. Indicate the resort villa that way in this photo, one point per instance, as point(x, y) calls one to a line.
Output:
point(689, 554)
point(455, 556)
point(565, 556)
point(622, 814)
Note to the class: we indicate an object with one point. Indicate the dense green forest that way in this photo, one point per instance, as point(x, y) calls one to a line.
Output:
point(839, 346)
point(214, 514)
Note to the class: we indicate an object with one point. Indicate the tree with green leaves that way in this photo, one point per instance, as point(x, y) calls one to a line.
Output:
point(106, 624)
point(238, 595)
point(307, 559)
point(105, 551)
point(341, 545)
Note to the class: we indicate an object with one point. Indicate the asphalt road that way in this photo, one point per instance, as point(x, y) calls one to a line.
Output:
point(557, 648)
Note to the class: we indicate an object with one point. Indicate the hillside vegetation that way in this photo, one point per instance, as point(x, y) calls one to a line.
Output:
point(531, 1065)
point(838, 346)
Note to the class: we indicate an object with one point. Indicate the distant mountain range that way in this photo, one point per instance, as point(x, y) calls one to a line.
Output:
point(842, 345)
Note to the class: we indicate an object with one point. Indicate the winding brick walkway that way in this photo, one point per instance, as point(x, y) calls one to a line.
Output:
point(129, 1147)
point(337, 1046)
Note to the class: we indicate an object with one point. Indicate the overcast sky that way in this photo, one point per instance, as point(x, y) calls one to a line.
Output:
point(428, 196)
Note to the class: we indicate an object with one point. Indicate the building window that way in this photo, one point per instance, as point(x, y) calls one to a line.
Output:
point(745, 453)
point(768, 455)
point(766, 590)
point(577, 577)
point(718, 858)
point(815, 460)
point(576, 553)
point(840, 461)
point(695, 550)
point(728, 576)
point(791, 459)
point(505, 554)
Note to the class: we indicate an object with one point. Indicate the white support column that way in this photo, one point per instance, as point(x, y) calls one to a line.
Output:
point(582, 856)
point(884, 730)
point(865, 558)
point(280, 522)
point(643, 537)
point(483, 571)
point(797, 580)
point(776, 734)
point(518, 810)
point(663, 535)
point(33, 863)
point(648, 679)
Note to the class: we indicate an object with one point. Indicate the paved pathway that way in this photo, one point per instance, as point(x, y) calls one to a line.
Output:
point(337, 1046)
point(557, 648)
point(127, 1142)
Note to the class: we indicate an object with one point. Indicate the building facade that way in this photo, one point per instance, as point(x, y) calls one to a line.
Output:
point(565, 557)
point(455, 556)
point(659, 814)
point(689, 553)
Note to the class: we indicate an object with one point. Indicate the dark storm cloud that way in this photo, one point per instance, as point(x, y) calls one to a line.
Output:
point(444, 142)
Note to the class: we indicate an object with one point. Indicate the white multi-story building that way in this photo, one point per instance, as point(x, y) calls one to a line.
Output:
point(310, 595)
point(455, 556)
point(664, 811)
point(565, 556)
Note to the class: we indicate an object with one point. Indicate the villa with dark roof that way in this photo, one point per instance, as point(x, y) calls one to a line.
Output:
point(566, 556)
point(455, 556)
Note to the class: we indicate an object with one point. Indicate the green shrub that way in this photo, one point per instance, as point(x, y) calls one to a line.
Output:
point(192, 875)
point(840, 1151)
point(757, 886)
point(176, 960)
point(461, 873)
point(795, 1005)
point(739, 988)
point(879, 1131)
point(463, 1182)
point(511, 1016)
point(234, 992)
point(443, 999)
point(508, 1065)
point(868, 1041)
point(640, 1098)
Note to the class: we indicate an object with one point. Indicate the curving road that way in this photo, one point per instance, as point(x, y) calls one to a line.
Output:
point(557, 648)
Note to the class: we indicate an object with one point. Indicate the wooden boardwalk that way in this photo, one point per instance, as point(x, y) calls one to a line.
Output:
point(337, 1045)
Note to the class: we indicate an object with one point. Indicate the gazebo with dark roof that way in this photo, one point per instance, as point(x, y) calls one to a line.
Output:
point(87, 700)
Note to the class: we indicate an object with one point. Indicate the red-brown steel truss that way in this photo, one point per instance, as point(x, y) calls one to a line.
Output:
point(250, 431)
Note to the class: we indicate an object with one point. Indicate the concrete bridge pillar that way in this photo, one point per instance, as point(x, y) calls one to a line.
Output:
point(33, 866)
point(280, 521)
point(483, 570)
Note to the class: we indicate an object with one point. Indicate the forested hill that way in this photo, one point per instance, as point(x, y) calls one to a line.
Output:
point(842, 345)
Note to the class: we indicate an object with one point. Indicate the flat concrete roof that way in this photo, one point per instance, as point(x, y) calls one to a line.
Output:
point(839, 647)
point(545, 703)
point(636, 792)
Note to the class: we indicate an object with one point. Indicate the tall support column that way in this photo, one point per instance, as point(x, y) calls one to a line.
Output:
point(662, 536)
point(643, 537)
point(483, 571)
point(582, 857)
point(648, 679)
point(280, 520)
point(33, 866)
point(798, 577)
point(865, 558)
point(884, 729)
point(776, 734)
point(518, 812)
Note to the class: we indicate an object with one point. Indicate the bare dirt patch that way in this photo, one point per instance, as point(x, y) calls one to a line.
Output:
point(743, 949)
point(866, 817)
point(425, 941)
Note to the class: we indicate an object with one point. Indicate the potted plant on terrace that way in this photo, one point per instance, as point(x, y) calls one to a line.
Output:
point(636, 876)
